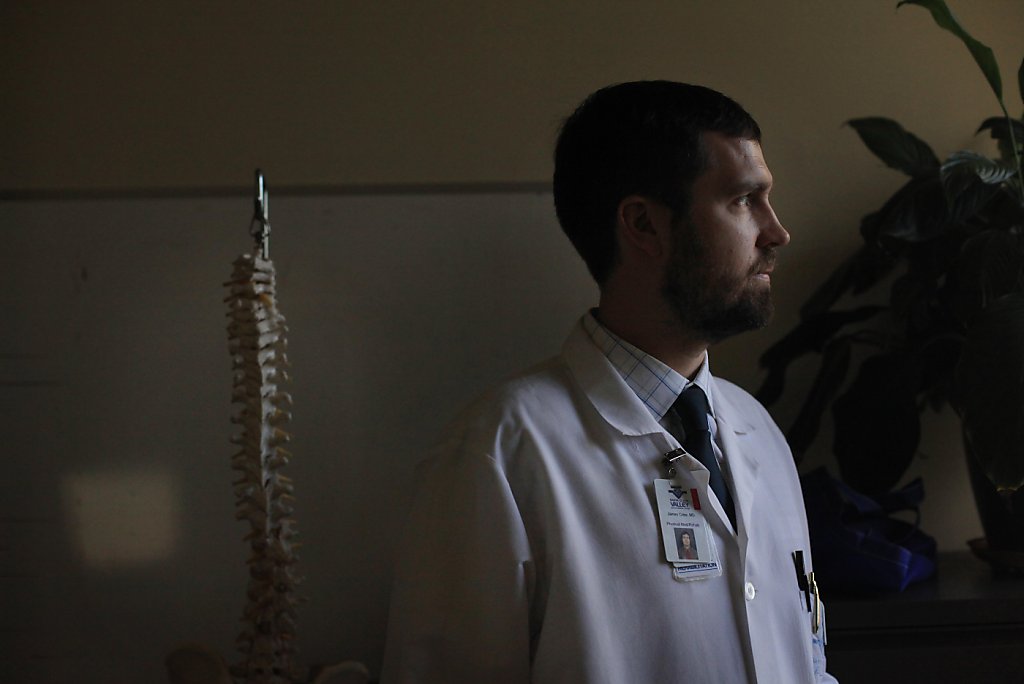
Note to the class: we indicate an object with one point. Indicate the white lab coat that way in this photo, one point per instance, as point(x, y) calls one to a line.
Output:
point(532, 551)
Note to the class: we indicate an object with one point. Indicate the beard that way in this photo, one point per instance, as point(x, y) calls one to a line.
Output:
point(711, 303)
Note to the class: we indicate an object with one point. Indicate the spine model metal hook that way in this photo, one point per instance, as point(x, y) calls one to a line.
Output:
point(259, 229)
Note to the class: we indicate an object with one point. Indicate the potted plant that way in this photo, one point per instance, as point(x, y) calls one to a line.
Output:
point(928, 311)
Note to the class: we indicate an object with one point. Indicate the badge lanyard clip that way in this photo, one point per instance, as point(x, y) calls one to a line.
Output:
point(669, 461)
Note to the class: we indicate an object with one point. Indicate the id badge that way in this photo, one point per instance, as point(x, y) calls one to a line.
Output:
point(688, 543)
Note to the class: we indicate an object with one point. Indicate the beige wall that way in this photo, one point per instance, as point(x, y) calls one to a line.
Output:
point(129, 95)
point(130, 134)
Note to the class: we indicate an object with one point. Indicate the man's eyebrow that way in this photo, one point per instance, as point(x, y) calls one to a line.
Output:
point(752, 186)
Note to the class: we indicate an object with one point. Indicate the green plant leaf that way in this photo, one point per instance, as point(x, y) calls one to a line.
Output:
point(971, 181)
point(990, 390)
point(990, 265)
point(970, 205)
point(810, 335)
point(858, 273)
point(835, 362)
point(988, 171)
point(911, 297)
point(895, 146)
point(982, 54)
point(917, 212)
point(815, 332)
point(1000, 129)
point(875, 264)
point(877, 425)
point(937, 356)
point(833, 287)
point(1020, 80)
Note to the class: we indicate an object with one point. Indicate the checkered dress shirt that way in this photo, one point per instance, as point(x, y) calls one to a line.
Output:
point(654, 383)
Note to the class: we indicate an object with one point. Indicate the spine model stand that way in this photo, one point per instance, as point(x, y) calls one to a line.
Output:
point(257, 344)
point(256, 340)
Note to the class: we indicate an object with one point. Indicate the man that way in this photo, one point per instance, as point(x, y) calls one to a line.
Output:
point(543, 547)
point(686, 548)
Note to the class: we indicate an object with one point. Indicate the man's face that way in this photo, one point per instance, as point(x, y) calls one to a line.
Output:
point(718, 278)
point(686, 541)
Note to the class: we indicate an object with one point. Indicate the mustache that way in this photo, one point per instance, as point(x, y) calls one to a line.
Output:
point(767, 262)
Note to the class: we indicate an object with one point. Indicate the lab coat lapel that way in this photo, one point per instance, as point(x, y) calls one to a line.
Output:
point(736, 439)
point(621, 408)
point(604, 387)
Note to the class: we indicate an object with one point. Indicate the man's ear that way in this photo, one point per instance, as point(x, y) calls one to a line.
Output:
point(644, 225)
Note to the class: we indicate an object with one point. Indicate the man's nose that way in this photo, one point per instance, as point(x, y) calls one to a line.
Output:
point(773, 234)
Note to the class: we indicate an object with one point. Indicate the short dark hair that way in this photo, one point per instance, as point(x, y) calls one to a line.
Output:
point(644, 138)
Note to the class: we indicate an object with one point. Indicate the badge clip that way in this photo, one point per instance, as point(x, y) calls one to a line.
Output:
point(670, 458)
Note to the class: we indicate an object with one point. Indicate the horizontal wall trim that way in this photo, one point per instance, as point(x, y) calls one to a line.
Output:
point(56, 194)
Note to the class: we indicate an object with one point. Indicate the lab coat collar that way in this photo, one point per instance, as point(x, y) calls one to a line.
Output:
point(622, 409)
point(656, 383)
point(604, 387)
point(617, 403)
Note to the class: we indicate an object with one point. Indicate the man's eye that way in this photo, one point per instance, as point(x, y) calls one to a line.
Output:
point(745, 200)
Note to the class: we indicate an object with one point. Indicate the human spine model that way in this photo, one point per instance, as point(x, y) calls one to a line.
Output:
point(257, 343)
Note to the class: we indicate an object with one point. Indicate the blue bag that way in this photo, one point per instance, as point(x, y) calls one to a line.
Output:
point(857, 546)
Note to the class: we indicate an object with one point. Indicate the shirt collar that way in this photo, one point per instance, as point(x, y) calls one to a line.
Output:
point(655, 383)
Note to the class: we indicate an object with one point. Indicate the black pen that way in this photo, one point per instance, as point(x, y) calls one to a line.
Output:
point(801, 577)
